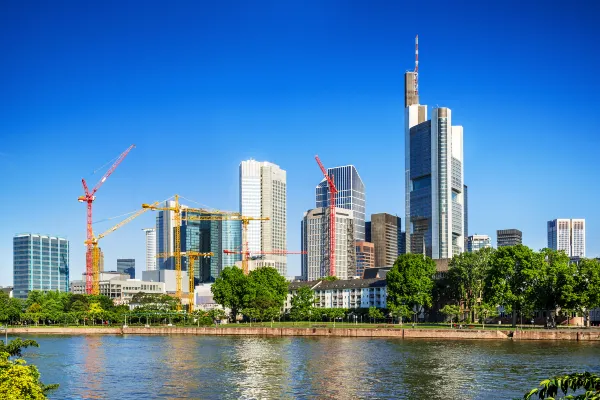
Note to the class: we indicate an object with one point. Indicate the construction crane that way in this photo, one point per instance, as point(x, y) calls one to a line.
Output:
point(235, 217)
point(332, 193)
point(192, 256)
point(96, 251)
point(89, 197)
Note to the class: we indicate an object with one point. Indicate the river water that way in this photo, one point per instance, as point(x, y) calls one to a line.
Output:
point(205, 367)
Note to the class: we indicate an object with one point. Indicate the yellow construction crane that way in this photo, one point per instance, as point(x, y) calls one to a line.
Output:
point(96, 250)
point(233, 217)
point(192, 256)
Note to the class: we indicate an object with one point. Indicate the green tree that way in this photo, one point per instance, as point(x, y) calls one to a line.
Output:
point(230, 289)
point(95, 311)
point(410, 282)
point(14, 347)
point(485, 310)
point(549, 388)
point(400, 311)
point(330, 278)
point(587, 287)
point(266, 292)
point(375, 314)
point(302, 304)
point(466, 278)
point(511, 279)
point(216, 314)
point(451, 310)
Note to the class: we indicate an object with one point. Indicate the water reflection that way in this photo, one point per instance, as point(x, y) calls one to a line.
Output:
point(90, 352)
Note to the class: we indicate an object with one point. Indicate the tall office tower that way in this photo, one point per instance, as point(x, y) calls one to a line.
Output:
point(466, 194)
point(401, 243)
point(207, 236)
point(478, 242)
point(365, 257)
point(263, 194)
point(567, 235)
point(40, 262)
point(165, 225)
point(368, 232)
point(150, 249)
point(434, 178)
point(508, 237)
point(384, 236)
point(126, 266)
point(315, 241)
point(350, 195)
point(100, 260)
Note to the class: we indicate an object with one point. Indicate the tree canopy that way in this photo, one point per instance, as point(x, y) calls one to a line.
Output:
point(229, 289)
point(410, 281)
point(302, 304)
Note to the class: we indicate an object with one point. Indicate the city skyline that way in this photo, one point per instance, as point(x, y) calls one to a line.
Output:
point(74, 101)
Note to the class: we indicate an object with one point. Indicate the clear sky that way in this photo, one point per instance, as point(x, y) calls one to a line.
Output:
point(199, 87)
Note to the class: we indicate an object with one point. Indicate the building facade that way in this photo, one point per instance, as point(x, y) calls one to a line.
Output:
point(384, 235)
point(508, 237)
point(40, 262)
point(165, 242)
point(315, 241)
point(478, 242)
point(349, 294)
point(567, 235)
point(263, 195)
point(126, 266)
point(365, 257)
point(150, 248)
point(100, 260)
point(350, 195)
point(169, 278)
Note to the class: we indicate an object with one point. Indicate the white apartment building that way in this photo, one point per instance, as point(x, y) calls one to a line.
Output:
point(150, 248)
point(121, 291)
point(478, 242)
point(567, 235)
point(314, 234)
point(263, 195)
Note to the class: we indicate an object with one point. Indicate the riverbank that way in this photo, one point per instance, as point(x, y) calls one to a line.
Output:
point(408, 333)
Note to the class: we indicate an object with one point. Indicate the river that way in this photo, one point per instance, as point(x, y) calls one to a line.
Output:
point(206, 367)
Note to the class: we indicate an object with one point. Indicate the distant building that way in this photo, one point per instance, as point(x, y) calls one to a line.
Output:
point(567, 235)
point(100, 260)
point(169, 278)
point(349, 294)
point(365, 257)
point(40, 262)
point(377, 272)
point(478, 242)
point(165, 232)
point(8, 290)
point(402, 243)
point(126, 266)
point(509, 237)
point(78, 286)
point(256, 263)
point(384, 236)
point(150, 248)
point(315, 241)
point(466, 198)
point(368, 237)
point(263, 194)
point(204, 299)
point(350, 195)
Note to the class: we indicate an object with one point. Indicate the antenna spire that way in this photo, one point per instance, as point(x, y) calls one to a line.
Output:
point(417, 64)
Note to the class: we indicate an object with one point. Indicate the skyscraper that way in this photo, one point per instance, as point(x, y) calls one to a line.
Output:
point(384, 236)
point(40, 262)
point(478, 242)
point(150, 249)
point(509, 237)
point(350, 195)
point(365, 257)
point(165, 225)
point(126, 266)
point(434, 170)
point(263, 194)
point(567, 235)
point(316, 244)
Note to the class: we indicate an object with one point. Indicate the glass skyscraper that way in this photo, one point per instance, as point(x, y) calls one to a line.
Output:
point(126, 266)
point(350, 195)
point(40, 262)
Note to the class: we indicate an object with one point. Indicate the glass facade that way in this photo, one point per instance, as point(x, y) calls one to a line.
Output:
point(351, 195)
point(126, 266)
point(40, 263)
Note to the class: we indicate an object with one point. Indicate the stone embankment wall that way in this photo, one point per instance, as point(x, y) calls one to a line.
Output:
point(587, 335)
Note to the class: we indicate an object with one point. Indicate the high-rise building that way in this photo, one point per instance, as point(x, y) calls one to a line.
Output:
point(368, 232)
point(350, 195)
point(210, 236)
point(434, 171)
point(401, 243)
point(567, 235)
point(466, 197)
point(263, 194)
point(478, 242)
point(384, 236)
point(100, 260)
point(508, 237)
point(126, 266)
point(150, 249)
point(315, 241)
point(165, 243)
point(365, 257)
point(40, 262)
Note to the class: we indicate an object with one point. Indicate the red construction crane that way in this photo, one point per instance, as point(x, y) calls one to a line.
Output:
point(332, 193)
point(89, 197)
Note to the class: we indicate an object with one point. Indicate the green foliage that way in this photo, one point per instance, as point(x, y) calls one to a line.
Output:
point(587, 286)
point(302, 304)
point(14, 347)
point(230, 289)
point(549, 388)
point(400, 311)
point(266, 292)
point(410, 281)
point(451, 311)
point(154, 302)
point(216, 314)
point(330, 278)
point(375, 313)
point(485, 310)
point(554, 287)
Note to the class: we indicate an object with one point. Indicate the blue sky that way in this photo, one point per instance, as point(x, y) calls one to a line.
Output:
point(199, 87)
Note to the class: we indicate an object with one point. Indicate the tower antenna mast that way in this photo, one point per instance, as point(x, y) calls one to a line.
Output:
point(417, 64)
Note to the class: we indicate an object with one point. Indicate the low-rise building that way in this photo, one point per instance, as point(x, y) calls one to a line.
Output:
point(121, 291)
point(169, 278)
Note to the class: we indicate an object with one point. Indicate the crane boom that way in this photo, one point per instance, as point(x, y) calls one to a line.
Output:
point(111, 169)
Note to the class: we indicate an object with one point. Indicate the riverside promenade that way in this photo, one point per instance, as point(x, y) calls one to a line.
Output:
point(380, 332)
